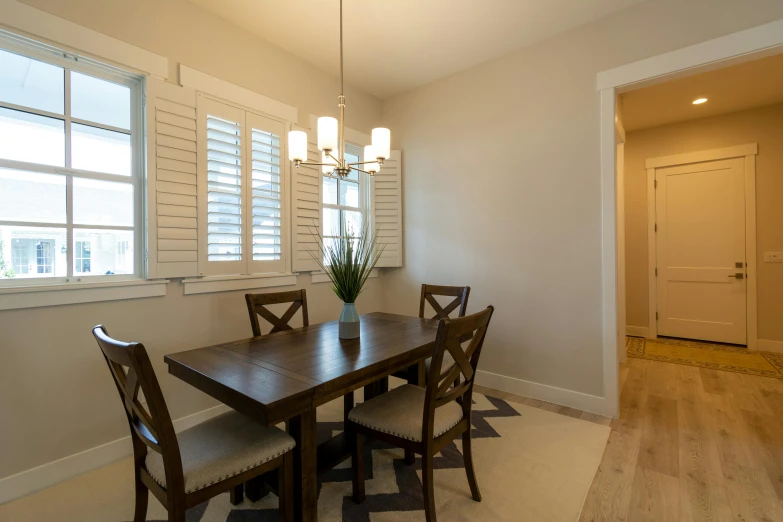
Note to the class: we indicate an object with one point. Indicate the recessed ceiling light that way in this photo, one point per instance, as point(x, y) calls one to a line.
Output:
point(699, 101)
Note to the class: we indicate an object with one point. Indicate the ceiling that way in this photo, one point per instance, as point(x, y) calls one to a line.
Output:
point(731, 89)
point(392, 46)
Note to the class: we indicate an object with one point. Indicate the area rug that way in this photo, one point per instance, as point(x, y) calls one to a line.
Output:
point(531, 464)
point(707, 355)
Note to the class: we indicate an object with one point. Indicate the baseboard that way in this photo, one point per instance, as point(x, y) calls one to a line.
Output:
point(637, 331)
point(769, 346)
point(52, 473)
point(543, 392)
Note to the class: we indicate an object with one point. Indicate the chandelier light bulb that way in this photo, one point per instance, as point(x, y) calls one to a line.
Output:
point(369, 155)
point(381, 142)
point(297, 146)
point(327, 133)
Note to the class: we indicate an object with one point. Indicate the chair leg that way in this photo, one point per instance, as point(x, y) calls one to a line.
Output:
point(410, 457)
point(357, 467)
point(428, 485)
point(285, 488)
point(142, 496)
point(237, 495)
point(467, 455)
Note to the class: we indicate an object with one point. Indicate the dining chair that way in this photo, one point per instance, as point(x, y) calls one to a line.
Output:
point(256, 304)
point(185, 469)
point(425, 420)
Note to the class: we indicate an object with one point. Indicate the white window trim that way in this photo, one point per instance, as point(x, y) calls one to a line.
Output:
point(20, 297)
point(208, 285)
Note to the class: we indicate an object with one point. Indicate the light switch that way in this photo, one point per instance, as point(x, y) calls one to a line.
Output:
point(773, 257)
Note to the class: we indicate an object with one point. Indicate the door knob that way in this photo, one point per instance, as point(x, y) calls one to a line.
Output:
point(738, 275)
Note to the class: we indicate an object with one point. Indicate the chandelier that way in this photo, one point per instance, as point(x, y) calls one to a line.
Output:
point(331, 139)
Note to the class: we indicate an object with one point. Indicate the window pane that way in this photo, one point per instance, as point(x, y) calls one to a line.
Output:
point(28, 82)
point(353, 222)
point(100, 150)
point(100, 101)
point(352, 158)
point(349, 194)
point(102, 203)
point(330, 191)
point(331, 225)
point(102, 252)
point(27, 252)
point(29, 196)
point(32, 138)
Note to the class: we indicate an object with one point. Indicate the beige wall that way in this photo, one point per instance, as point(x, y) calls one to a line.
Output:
point(502, 184)
point(764, 126)
point(56, 396)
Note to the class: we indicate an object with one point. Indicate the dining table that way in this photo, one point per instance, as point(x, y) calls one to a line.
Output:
point(285, 376)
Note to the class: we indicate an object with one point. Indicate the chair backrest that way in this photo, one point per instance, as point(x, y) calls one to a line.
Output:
point(150, 427)
point(460, 294)
point(256, 303)
point(462, 338)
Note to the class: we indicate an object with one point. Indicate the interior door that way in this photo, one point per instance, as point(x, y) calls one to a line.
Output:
point(700, 218)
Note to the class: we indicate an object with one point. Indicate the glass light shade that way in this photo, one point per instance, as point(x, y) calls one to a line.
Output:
point(327, 133)
point(369, 155)
point(327, 169)
point(381, 142)
point(297, 146)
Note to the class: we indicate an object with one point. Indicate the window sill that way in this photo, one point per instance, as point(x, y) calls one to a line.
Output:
point(207, 285)
point(321, 277)
point(35, 296)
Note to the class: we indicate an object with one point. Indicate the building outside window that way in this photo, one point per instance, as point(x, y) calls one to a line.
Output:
point(70, 166)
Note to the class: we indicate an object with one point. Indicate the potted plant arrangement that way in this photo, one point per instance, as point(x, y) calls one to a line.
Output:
point(347, 259)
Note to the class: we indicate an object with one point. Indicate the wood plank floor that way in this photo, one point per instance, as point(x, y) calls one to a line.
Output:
point(691, 444)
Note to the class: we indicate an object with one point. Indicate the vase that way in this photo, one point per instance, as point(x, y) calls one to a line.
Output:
point(349, 322)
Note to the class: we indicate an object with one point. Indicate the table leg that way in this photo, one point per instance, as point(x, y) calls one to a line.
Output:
point(376, 388)
point(416, 374)
point(303, 430)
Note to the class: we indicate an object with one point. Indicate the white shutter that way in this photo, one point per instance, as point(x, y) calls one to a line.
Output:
point(306, 207)
point(172, 242)
point(387, 209)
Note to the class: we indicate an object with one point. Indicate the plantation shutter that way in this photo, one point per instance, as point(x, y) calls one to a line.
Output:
point(172, 243)
point(306, 207)
point(387, 209)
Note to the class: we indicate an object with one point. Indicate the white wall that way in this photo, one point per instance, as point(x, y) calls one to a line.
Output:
point(502, 187)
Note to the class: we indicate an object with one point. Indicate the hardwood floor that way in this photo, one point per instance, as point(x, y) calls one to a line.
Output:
point(691, 444)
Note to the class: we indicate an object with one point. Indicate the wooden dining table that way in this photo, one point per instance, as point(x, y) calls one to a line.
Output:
point(285, 376)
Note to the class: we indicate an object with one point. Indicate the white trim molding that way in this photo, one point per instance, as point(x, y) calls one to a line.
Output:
point(637, 331)
point(208, 285)
point(766, 345)
point(543, 392)
point(19, 297)
point(203, 82)
point(749, 149)
point(52, 473)
point(46, 26)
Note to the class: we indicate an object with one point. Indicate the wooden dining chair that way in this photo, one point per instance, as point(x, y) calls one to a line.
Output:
point(185, 469)
point(256, 304)
point(425, 420)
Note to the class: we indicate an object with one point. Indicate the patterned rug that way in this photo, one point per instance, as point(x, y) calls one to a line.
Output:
point(707, 355)
point(531, 465)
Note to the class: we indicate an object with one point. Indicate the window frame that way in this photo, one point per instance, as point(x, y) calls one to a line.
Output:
point(364, 197)
point(136, 83)
point(207, 105)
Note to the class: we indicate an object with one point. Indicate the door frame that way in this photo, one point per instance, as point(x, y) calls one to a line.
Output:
point(749, 44)
point(748, 151)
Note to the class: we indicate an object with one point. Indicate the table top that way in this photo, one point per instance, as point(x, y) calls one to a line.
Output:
point(277, 376)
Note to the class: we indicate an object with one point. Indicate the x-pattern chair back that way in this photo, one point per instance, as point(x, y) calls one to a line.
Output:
point(256, 306)
point(460, 294)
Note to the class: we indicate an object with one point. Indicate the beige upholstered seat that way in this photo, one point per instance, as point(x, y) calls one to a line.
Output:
point(448, 360)
point(222, 447)
point(400, 412)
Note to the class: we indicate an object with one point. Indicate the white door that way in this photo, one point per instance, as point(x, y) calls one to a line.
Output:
point(700, 218)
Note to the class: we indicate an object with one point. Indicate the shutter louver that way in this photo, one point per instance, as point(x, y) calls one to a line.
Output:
point(387, 208)
point(266, 202)
point(306, 208)
point(172, 242)
point(224, 190)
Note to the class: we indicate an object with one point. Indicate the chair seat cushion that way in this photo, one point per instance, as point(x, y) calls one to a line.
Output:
point(221, 448)
point(400, 412)
point(448, 360)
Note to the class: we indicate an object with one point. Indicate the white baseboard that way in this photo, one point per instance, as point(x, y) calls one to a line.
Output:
point(770, 346)
point(637, 331)
point(543, 392)
point(51, 473)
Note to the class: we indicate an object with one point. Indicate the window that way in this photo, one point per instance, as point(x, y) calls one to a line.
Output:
point(344, 202)
point(70, 182)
